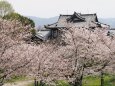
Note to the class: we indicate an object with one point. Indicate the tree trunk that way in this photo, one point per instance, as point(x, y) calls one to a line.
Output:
point(102, 78)
point(78, 75)
point(35, 82)
point(77, 82)
point(41, 83)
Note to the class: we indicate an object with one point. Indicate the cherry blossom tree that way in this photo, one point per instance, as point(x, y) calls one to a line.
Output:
point(88, 50)
point(12, 55)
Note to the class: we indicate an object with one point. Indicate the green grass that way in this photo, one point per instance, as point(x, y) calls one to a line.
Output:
point(15, 78)
point(91, 81)
point(32, 84)
point(62, 83)
point(58, 83)
point(109, 80)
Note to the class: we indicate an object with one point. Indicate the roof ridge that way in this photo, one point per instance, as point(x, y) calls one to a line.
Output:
point(89, 14)
point(78, 15)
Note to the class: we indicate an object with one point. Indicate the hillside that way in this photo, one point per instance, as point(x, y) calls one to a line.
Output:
point(43, 21)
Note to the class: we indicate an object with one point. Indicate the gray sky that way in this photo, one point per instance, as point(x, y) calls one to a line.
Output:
point(51, 8)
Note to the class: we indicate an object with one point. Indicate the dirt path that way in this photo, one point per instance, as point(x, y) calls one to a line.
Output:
point(21, 83)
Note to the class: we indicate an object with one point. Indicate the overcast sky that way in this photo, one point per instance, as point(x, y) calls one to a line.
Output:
point(51, 8)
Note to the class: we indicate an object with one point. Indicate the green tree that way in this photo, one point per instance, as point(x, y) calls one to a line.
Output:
point(5, 8)
point(33, 32)
point(24, 20)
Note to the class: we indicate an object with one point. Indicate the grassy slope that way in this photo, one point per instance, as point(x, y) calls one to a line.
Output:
point(109, 80)
point(16, 79)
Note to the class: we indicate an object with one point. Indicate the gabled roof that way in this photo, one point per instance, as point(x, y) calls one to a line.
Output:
point(74, 18)
point(91, 16)
point(87, 17)
point(53, 26)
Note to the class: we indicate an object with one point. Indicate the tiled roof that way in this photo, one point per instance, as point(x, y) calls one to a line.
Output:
point(63, 19)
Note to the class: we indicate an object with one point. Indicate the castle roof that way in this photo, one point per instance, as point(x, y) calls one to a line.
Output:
point(74, 18)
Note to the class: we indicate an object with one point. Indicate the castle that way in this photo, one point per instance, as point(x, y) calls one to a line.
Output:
point(75, 20)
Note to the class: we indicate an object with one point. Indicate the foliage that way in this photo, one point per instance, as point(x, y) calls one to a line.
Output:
point(5, 8)
point(11, 49)
point(49, 61)
point(85, 51)
point(1, 70)
point(24, 20)
point(33, 32)
point(15, 78)
point(62, 83)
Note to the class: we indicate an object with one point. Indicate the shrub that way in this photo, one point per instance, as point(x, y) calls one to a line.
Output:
point(33, 32)
point(24, 20)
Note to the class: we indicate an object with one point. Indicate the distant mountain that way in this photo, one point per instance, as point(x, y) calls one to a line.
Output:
point(109, 21)
point(44, 21)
